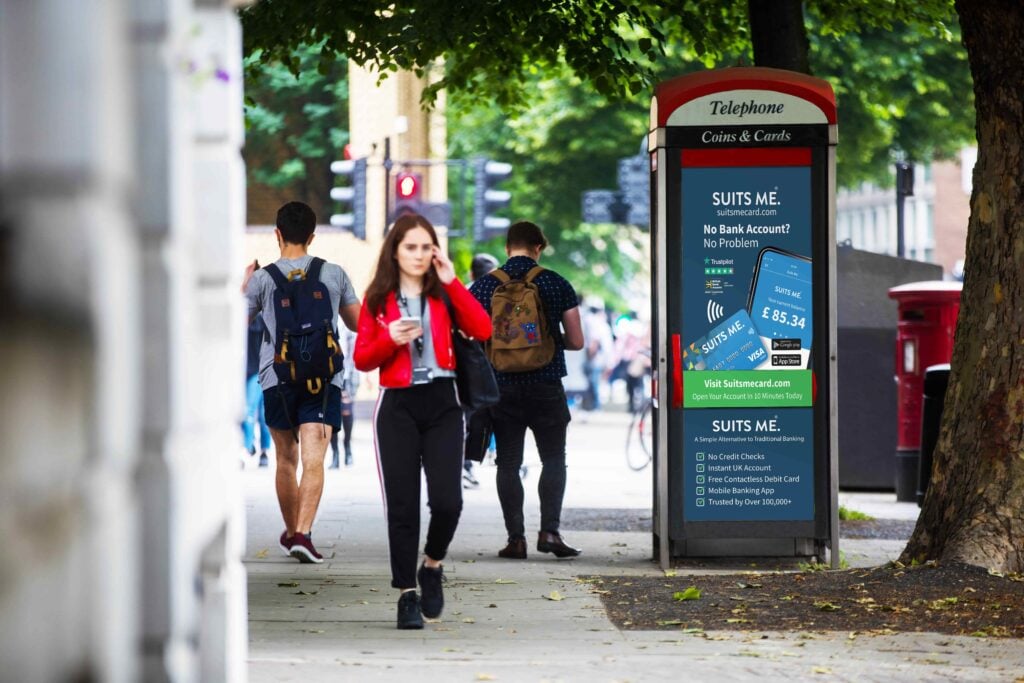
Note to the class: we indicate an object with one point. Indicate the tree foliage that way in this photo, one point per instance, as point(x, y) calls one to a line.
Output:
point(490, 44)
point(898, 68)
point(296, 121)
point(898, 89)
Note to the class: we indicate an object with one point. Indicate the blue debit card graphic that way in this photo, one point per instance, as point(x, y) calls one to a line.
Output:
point(734, 344)
point(780, 304)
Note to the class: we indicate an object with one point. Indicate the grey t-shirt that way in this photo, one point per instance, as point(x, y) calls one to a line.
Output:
point(260, 293)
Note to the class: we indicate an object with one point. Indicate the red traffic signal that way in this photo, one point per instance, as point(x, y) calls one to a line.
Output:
point(407, 185)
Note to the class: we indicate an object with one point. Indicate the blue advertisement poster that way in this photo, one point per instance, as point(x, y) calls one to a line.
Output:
point(747, 325)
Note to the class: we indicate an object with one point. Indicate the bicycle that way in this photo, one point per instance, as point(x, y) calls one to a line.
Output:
point(640, 436)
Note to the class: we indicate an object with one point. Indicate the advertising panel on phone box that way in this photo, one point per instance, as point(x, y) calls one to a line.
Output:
point(742, 194)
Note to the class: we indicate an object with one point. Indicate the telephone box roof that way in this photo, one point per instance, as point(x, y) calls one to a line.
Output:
point(672, 94)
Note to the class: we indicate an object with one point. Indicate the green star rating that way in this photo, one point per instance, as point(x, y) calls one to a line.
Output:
point(718, 271)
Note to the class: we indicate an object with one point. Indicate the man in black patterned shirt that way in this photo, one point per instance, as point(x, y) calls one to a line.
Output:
point(534, 400)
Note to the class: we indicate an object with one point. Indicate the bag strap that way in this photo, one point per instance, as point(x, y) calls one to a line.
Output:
point(277, 276)
point(532, 273)
point(313, 272)
point(501, 275)
point(451, 311)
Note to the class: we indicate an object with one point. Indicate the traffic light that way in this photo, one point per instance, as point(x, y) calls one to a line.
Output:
point(354, 195)
point(408, 194)
point(905, 178)
point(487, 200)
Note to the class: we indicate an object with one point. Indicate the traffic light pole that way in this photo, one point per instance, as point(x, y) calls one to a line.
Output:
point(904, 189)
point(387, 182)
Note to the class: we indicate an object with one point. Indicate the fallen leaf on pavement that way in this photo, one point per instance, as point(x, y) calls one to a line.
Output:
point(261, 554)
point(691, 593)
point(554, 595)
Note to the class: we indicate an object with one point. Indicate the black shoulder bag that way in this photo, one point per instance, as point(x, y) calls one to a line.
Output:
point(474, 376)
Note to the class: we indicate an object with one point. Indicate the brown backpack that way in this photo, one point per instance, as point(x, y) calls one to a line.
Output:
point(520, 338)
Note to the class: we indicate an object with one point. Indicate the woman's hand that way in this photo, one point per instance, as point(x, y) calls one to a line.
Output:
point(404, 332)
point(443, 266)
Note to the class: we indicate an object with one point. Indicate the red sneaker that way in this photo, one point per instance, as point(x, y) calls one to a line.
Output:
point(303, 549)
point(286, 543)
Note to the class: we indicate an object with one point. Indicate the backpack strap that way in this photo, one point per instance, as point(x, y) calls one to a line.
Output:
point(533, 272)
point(277, 276)
point(313, 272)
point(501, 275)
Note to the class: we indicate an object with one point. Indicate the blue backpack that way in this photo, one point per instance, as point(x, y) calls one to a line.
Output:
point(306, 349)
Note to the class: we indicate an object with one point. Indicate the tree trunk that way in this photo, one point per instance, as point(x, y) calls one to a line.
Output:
point(778, 34)
point(974, 509)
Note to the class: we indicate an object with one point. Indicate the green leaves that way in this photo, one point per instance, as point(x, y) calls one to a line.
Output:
point(691, 593)
point(488, 46)
point(296, 120)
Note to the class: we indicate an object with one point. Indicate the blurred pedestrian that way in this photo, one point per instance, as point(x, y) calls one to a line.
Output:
point(405, 330)
point(349, 384)
point(600, 347)
point(631, 339)
point(533, 399)
point(254, 415)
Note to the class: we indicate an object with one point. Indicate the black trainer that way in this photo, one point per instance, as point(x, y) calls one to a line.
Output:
point(409, 616)
point(433, 594)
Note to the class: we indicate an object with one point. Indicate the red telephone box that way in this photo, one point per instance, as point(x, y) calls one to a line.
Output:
point(924, 337)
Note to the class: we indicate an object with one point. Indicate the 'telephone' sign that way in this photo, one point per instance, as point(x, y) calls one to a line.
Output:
point(747, 316)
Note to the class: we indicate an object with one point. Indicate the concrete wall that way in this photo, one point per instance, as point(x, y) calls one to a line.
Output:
point(122, 217)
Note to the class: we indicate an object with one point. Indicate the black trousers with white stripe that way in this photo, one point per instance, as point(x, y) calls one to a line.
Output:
point(419, 427)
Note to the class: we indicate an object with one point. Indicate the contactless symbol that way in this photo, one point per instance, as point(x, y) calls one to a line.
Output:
point(715, 310)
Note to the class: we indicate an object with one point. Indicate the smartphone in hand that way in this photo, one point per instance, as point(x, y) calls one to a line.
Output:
point(413, 320)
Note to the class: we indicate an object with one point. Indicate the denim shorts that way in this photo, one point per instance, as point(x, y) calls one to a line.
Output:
point(287, 406)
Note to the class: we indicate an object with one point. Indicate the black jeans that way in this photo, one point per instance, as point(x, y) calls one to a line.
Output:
point(419, 426)
point(540, 407)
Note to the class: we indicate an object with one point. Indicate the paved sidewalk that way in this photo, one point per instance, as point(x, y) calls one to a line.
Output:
point(336, 621)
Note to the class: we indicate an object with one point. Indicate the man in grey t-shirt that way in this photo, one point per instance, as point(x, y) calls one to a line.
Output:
point(298, 420)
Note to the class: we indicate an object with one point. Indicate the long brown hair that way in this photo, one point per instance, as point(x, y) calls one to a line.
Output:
point(385, 279)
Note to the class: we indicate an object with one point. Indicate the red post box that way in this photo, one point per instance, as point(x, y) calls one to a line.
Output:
point(924, 337)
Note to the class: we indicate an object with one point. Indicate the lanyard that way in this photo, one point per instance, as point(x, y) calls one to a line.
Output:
point(404, 303)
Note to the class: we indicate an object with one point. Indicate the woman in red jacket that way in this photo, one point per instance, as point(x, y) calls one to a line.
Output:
point(405, 330)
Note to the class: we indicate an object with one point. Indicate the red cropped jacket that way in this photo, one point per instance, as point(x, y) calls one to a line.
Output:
point(375, 349)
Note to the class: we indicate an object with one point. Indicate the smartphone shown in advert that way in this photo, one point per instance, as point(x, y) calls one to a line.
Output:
point(779, 304)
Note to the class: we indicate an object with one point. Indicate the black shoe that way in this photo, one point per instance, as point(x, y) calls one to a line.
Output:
point(263, 459)
point(430, 581)
point(515, 550)
point(551, 542)
point(409, 616)
point(348, 457)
